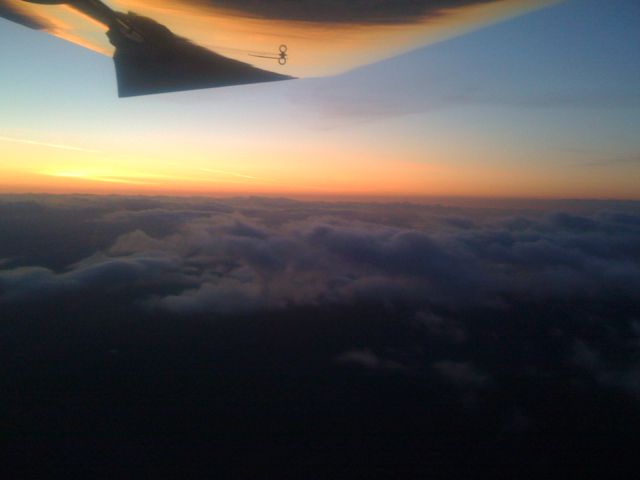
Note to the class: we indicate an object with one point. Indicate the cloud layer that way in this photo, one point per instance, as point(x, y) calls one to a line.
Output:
point(254, 255)
point(446, 272)
point(460, 335)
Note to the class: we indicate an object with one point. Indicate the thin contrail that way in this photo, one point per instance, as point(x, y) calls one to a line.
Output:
point(50, 145)
point(100, 178)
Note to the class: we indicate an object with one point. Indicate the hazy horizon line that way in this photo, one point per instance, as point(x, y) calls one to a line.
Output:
point(346, 198)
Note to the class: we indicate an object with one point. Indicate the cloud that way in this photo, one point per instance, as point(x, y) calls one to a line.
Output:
point(96, 272)
point(461, 374)
point(136, 241)
point(47, 144)
point(331, 103)
point(504, 320)
point(441, 327)
point(367, 359)
point(236, 294)
point(268, 255)
point(629, 160)
point(459, 296)
point(626, 377)
point(514, 322)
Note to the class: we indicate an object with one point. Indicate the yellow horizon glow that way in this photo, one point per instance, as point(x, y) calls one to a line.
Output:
point(39, 167)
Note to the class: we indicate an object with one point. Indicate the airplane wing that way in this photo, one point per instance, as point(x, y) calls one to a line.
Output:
point(149, 58)
point(172, 45)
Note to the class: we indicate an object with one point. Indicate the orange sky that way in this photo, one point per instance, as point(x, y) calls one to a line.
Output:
point(30, 166)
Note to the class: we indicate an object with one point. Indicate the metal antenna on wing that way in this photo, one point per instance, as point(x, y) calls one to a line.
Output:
point(281, 56)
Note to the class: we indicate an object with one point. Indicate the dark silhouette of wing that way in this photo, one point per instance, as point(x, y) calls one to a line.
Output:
point(163, 62)
point(149, 58)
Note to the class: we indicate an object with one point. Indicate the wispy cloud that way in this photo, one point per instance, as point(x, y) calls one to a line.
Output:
point(130, 177)
point(101, 178)
point(615, 161)
point(47, 144)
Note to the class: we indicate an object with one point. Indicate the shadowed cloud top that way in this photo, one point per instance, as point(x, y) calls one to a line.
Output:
point(264, 325)
point(257, 255)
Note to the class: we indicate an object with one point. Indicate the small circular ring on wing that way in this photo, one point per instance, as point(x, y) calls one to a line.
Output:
point(282, 58)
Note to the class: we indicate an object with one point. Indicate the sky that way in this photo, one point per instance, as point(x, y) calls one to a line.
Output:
point(543, 105)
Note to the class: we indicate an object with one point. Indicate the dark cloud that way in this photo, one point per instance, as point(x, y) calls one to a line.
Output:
point(275, 255)
point(460, 374)
point(418, 334)
point(340, 11)
point(436, 267)
point(443, 328)
point(626, 377)
point(631, 160)
point(237, 294)
point(96, 272)
point(367, 359)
